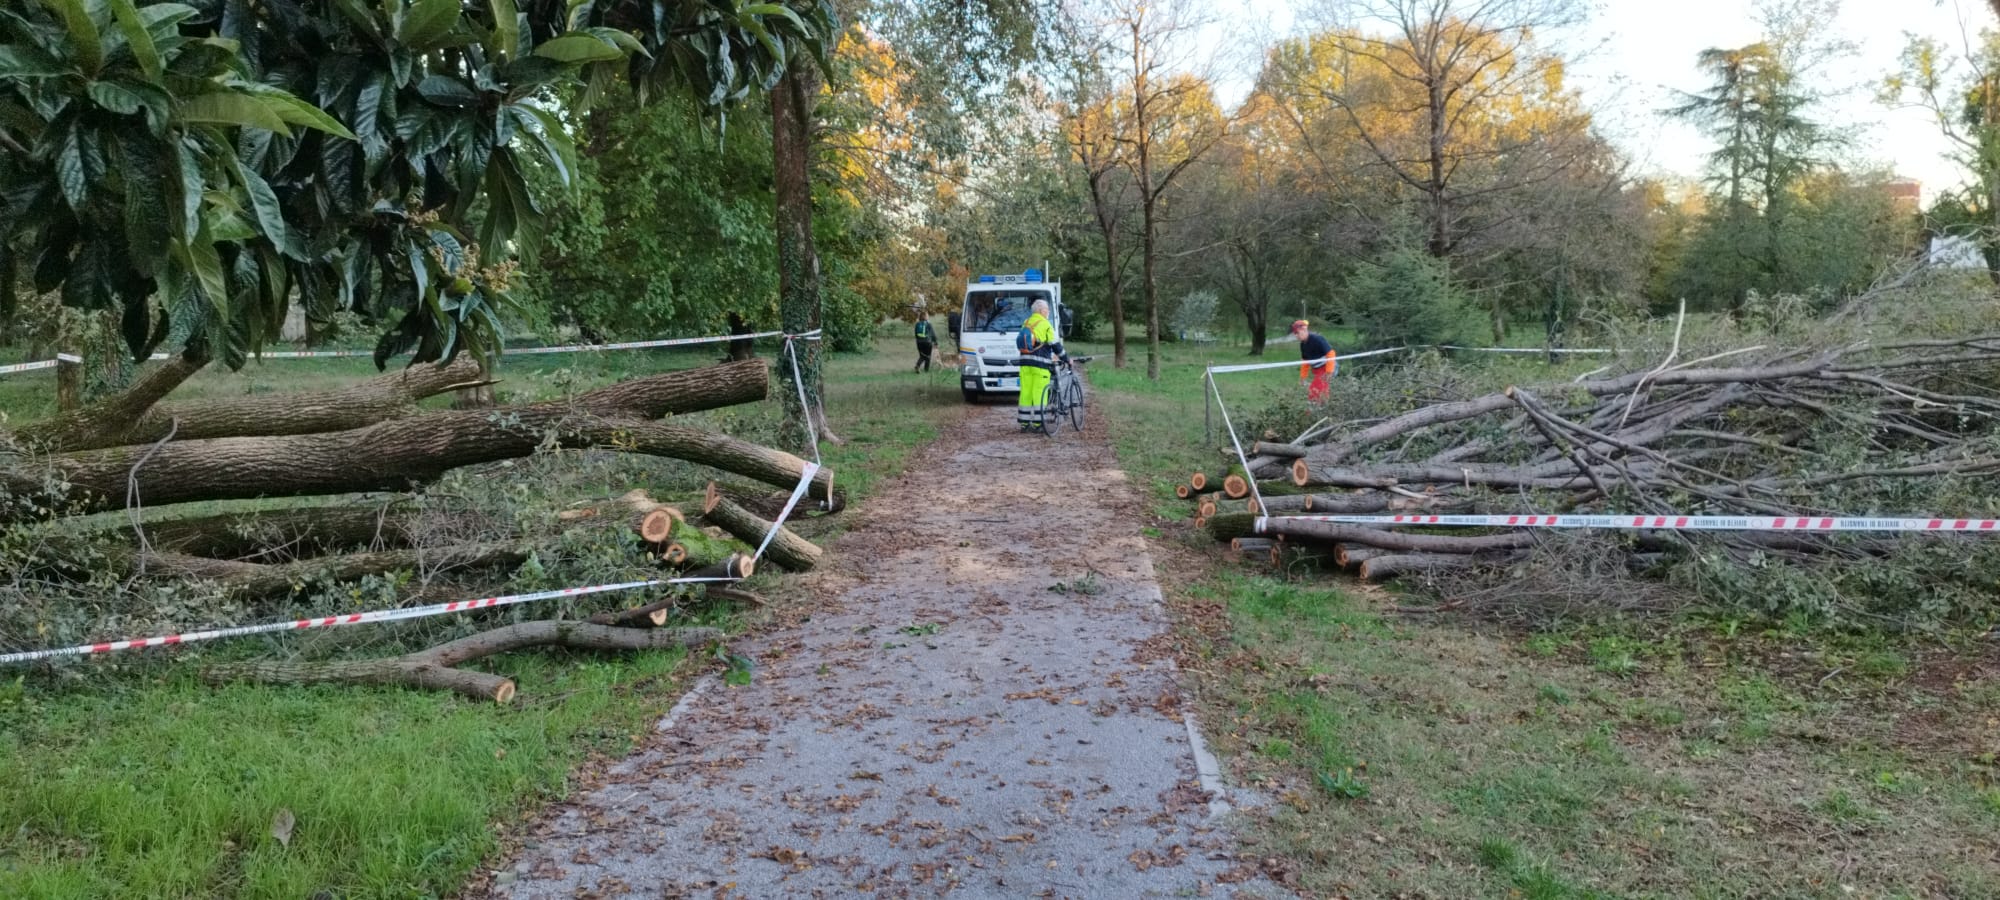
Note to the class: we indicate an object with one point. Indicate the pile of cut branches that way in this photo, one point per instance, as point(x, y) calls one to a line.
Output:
point(1891, 429)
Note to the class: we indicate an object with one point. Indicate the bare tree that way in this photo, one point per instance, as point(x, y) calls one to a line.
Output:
point(1448, 67)
point(1173, 122)
point(1091, 128)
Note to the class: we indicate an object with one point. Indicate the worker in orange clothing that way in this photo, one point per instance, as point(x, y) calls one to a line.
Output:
point(1319, 363)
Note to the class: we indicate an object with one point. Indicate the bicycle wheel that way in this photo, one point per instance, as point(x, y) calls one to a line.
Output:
point(1073, 400)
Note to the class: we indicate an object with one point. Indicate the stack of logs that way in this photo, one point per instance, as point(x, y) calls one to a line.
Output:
point(1856, 430)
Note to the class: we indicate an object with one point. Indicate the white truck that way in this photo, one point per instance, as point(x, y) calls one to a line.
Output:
point(995, 306)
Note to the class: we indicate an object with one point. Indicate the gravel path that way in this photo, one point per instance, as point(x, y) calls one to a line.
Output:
point(977, 700)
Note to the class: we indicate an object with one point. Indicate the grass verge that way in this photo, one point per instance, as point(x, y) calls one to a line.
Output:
point(136, 780)
point(1403, 754)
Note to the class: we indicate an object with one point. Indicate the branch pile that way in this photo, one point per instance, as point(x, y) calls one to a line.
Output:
point(1891, 429)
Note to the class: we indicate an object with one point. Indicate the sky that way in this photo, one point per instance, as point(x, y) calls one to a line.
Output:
point(1640, 53)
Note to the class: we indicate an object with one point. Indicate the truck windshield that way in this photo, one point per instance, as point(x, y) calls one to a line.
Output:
point(999, 310)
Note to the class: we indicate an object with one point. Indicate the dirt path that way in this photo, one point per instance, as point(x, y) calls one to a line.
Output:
point(979, 701)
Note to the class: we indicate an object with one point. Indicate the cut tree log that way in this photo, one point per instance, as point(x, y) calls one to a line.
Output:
point(1286, 451)
point(1383, 568)
point(698, 550)
point(736, 568)
point(1225, 526)
point(786, 548)
point(309, 412)
point(654, 522)
point(1250, 545)
point(1198, 482)
point(1236, 487)
point(433, 669)
point(1353, 555)
point(1395, 540)
point(1183, 491)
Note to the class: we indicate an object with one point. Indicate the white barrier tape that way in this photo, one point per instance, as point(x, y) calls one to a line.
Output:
point(1256, 496)
point(1339, 358)
point(565, 348)
point(1523, 349)
point(1669, 523)
point(27, 366)
point(395, 615)
point(797, 492)
point(387, 615)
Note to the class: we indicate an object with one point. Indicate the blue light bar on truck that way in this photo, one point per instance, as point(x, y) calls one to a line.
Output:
point(987, 279)
point(1032, 276)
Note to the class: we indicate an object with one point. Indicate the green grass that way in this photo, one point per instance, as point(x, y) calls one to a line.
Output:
point(169, 789)
point(133, 779)
point(1425, 756)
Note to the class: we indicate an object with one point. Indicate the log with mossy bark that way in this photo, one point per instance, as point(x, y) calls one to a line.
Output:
point(436, 668)
point(785, 547)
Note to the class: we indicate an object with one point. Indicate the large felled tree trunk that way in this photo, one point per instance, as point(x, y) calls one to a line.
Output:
point(384, 397)
point(394, 455)
point(401, 453)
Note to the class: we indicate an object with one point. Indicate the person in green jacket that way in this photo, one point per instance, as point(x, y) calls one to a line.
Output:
point(925, 338)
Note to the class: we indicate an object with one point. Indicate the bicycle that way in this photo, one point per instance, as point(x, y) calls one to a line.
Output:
point(1065, 392)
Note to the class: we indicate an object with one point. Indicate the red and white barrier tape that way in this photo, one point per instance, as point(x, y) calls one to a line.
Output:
point(394, 615)
point(1344, 357)
point(40, 364)
point(565, 348)
point(1669, 523)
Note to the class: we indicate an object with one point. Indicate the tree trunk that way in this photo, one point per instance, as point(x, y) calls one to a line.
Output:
point(432, 669)
point(384, 397)
point(1396, 540)
point(400, 453)
point(117, 409)
point(787, 549)
point(1383, 568)
point(391, 456)
point(798, 258)
point(1149, 287)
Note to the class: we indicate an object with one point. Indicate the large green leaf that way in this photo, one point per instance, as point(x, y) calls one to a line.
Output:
point(29, 61)
point(426, 22)
point(137, 37)
point(83, 35)
point(70, 173)
point(148, 223)
point(270, 216)
point(299, 112)
point(116, 97)
point(231, 108)
point(506, 42)
point(578, 48)
point(554, 140)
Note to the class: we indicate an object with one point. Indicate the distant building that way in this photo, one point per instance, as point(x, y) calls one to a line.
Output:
point(1906, 194)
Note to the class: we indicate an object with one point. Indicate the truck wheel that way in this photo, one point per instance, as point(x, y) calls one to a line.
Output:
point(971, 396)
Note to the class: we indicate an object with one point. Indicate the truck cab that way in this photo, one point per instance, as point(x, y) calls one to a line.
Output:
point(995, 307)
